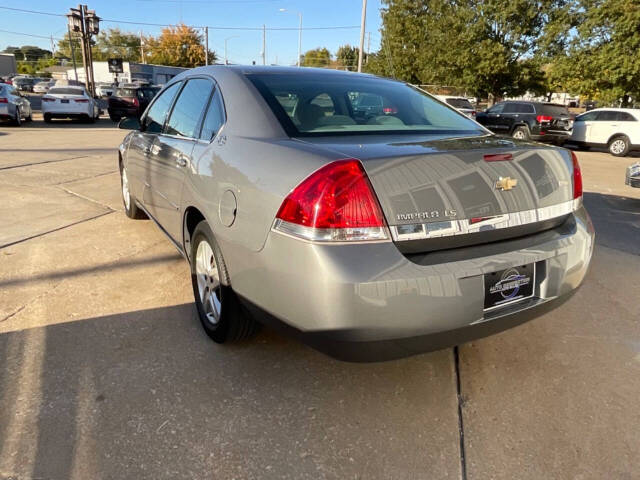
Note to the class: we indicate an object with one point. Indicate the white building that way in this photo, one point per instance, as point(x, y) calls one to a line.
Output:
point(155, 74)
point(7, 64)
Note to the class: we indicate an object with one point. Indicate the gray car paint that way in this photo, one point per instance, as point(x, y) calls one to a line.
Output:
point(369, 288)
point(15, 100)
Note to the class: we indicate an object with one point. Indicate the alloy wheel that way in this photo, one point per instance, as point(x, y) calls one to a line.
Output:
point(519, 134)
point(618, 146)
point(208, 278)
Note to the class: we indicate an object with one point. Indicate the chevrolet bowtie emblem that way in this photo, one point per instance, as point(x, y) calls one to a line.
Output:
point(506, 183)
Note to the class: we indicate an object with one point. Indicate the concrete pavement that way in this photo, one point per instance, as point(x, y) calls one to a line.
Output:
point(107, 374)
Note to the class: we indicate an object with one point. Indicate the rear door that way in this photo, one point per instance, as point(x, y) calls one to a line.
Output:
point(142, 145)
point(492, 117)
point(173, 150)
point(582, 127)
point(605, 125)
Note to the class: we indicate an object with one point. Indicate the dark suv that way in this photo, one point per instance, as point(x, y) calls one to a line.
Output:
point(547, 122)
point(130, 101)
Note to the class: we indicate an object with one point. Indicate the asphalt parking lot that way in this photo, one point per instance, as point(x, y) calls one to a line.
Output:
point(106, 373)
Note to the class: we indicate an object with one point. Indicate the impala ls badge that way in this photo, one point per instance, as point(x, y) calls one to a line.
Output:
point(506, 183)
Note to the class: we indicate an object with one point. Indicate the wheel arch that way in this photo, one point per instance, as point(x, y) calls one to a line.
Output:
point(521, 123)
point(192, 216)
point(616, 135)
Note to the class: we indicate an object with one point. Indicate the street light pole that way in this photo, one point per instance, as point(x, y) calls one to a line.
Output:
point(226, 60)
point(299, 35)
point(73, 53)
point(364, 18)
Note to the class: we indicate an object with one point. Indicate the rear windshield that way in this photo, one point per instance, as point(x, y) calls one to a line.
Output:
point(127, 92)
point(309, 105)
point(555, 110)
point(65, 91)
point(148, 93)
point(460, 103)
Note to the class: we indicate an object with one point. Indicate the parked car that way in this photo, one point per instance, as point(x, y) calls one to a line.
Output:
point(69, 102)
point(13, 105)
point(105, 89)
point(44, 86)
point(461, 103)
point(24, 84)
point(372, 238)
point(618, 129)
point(548, 122)
point(633, 175)
point(130, 101)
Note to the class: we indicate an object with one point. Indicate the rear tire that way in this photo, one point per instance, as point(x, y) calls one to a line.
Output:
point(521, 133)
point(47, 118)
point(619, 146)
point(114, 118)
point(18, 120)
point(131, 209)
point(221, 314)
point(30, 117)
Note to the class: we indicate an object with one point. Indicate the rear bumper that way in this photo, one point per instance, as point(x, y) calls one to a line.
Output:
point(369, 302)
point(123, 112)
point(552, 136)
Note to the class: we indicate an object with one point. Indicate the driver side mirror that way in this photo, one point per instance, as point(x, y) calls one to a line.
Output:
point(129, 123)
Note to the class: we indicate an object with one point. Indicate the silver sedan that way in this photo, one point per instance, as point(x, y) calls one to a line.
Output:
point(14, 105)
point(370, 229)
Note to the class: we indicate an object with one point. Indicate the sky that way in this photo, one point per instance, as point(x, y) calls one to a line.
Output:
point(244, 46)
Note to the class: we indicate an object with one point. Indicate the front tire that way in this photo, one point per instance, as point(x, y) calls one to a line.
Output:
point(221, 314)
point(619, 146)
point(131, 209)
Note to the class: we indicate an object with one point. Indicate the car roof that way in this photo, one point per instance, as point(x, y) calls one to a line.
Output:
point(617, 109)
point(535, 103)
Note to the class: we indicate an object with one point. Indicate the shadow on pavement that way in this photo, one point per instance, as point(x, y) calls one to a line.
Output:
point(72, 123)
point(616, 220)
point(145, 394)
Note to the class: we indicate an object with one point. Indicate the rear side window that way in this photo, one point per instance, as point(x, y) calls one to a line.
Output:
point(147, 93)
point(555, 110)
point(496, 108)
point(607, 116)
point(587, 117)
point(187, 110)
point(626, 117)
point(214, 118)
point(156, 115)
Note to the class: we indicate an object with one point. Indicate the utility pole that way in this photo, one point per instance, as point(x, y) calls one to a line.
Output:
point(364, 18)
point(86, 22)
point(73, 53)
point(53, 46)
point(264, 44)
point(206, 46)
point(142, 49)
point(368, 43)
point(299, 40)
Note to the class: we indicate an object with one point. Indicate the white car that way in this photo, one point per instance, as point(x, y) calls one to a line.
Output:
point(69, 102)
point(104, 89)
point(43, 87)
point(616, 128)
point(461, 103)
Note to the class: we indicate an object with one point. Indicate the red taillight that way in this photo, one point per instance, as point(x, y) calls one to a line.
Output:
point(81, 100)
point(498, 157)
point(544, 118)
point(335, 203)
point(473, 113)
point(577, 177)
point(47, 99)
point(3, 100)
point(389, 110)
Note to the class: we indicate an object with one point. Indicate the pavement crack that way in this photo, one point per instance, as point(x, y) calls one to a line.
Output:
point(87, 198)
point(56, 229)
point(41, 163)
point(463, 457)
point(15, 312)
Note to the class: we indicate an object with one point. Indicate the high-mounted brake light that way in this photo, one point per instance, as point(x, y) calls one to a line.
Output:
point(577, 177)
point(544, 118)
point(497, 157)
point(335, 203)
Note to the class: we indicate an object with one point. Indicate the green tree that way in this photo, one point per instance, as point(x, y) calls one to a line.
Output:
point(483, 46)
point(347, 57)
point(602, 60)
point(179, 46)
point(114, 43)
point(28, 53)
point(64, 47)
point(318, 57)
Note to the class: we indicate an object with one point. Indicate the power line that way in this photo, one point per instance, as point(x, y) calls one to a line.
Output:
point(130, 22)
point(26, 34)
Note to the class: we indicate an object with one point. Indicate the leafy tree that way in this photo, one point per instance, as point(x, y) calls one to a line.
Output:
point(602, 60)
point(64, 47)
point(347, 57)
point(179, 46)
point(114, 43)
point(483, 46)
point(318, 57)
point(28, 52)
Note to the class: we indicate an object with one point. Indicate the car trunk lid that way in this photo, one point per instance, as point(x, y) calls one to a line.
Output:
point(443, 187)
